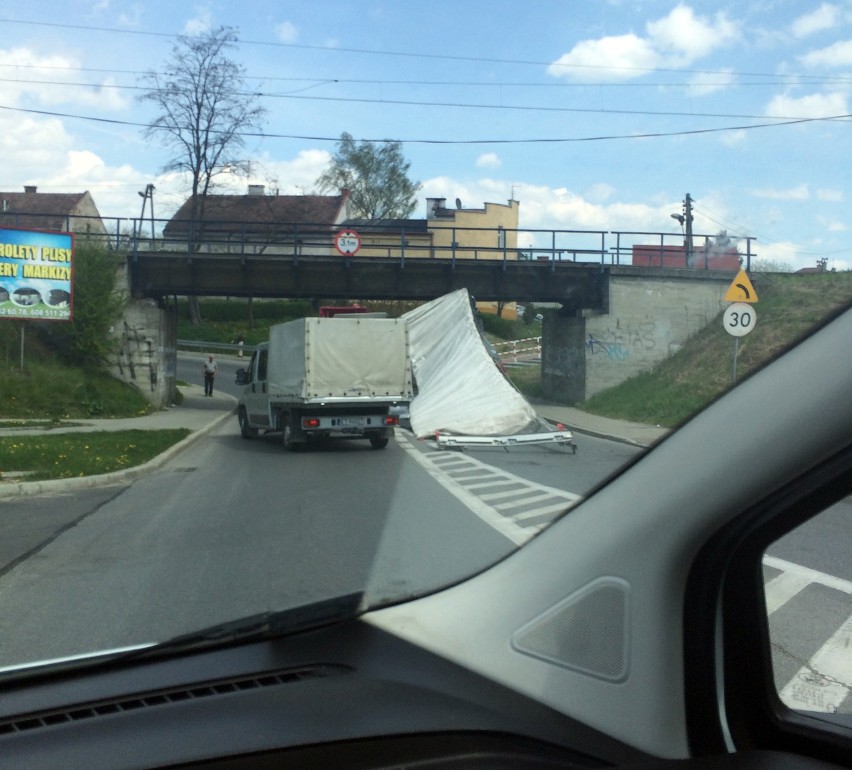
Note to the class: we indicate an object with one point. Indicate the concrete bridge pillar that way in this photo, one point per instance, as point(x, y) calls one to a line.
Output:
point(650, 314)
point(146, 350)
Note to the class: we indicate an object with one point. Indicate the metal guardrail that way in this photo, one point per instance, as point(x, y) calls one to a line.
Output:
point(220, 347)
point(512, 349)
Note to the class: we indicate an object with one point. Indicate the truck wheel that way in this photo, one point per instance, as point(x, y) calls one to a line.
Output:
point(378, 442)
point(246, 431)
point(287, 438)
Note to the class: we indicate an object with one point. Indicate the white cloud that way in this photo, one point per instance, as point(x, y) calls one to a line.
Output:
point(811, 106)
point(600, 192)
point(684, 37)
point(800, 193)
point(836, 55)
point(824, 17)
point(830, 196)
point(199, 24)
point(625, 56)
point(131, 16)
point(33, 68)
point(286, 32)
point(489, 160)
point(676, 40)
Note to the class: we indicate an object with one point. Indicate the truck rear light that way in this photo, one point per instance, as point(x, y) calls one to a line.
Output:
point(392, 419)
point(310, 422)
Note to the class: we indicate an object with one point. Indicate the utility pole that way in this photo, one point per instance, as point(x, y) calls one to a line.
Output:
point(147, 195)
point(687, 217)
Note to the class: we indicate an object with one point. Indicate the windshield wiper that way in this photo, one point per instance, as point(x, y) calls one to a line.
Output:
point(260, 626)
point(263, 625)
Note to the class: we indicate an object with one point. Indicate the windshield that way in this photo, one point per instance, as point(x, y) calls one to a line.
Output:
point(417, 294)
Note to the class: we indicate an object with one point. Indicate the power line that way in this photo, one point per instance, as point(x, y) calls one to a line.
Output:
point(453, 105)
point(538, 140)
point(420, 55)
point(784, 81)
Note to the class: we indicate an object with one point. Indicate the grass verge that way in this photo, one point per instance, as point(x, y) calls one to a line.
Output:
point(703, 369)
point(69, 455)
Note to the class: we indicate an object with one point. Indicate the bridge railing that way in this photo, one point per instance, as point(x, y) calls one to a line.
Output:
point(399, 241)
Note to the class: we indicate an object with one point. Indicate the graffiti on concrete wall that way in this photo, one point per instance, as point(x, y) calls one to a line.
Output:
point(137, 356)
point(618, 343)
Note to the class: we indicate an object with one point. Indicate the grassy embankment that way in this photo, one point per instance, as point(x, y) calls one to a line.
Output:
point(49, 393)
point(789, 306)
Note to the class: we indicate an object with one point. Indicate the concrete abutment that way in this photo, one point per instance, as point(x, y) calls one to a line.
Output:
point(651, 314)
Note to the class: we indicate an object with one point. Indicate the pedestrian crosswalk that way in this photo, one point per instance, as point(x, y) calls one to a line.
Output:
point(515, 506)
point(810, 629)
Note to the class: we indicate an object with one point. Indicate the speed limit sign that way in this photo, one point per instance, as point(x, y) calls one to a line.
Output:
point(739, 319)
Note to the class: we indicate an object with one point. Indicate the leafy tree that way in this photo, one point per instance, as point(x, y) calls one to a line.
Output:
point(376, 176)
point(86, 341)
point(203, 110)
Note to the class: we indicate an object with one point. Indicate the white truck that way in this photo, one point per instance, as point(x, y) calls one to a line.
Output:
point(328, 377)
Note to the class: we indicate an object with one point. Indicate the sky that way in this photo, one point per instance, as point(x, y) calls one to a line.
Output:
point(595, 116)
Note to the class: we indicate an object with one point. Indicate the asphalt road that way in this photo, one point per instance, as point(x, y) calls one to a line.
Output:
point(233, 527)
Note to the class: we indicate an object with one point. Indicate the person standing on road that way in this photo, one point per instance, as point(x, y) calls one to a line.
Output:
point(210, 369)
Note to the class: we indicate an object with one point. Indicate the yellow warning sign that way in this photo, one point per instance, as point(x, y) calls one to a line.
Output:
point(741, 289)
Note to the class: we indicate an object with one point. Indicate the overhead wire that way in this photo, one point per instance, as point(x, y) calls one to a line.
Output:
point(537, 140)
point(418, 54)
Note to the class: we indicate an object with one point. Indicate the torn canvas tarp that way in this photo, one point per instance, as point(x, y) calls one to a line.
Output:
point(460, 388)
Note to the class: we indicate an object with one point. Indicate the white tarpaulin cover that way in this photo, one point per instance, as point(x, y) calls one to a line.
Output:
point(460, 388)
point(340, 358)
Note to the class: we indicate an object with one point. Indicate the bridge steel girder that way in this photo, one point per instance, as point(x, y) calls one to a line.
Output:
point(574, 285)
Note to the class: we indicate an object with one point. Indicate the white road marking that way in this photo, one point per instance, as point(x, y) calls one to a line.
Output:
point(839, 584)
point(782, 588)
point(825, 682)
point(487, 490)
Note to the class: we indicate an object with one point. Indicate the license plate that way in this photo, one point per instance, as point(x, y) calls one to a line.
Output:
point(351, 422)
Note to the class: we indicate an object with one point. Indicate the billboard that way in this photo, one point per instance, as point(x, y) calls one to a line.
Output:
point(35, 274)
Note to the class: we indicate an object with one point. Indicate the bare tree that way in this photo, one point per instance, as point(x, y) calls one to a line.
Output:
point(203, 111)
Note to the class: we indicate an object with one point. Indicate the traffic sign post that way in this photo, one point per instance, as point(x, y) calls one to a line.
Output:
point(739, 319)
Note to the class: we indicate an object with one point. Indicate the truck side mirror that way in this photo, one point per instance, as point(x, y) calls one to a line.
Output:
point(243, 377)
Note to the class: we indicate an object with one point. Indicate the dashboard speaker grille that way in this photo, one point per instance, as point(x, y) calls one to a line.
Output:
point(164, 697)
point(586, 632)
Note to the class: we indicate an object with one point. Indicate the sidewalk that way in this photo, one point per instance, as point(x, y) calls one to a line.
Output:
point(200, 415)
point(197, 413)
point(603, 427)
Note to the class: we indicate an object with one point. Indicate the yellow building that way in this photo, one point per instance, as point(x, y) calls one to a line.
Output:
point(490, 232)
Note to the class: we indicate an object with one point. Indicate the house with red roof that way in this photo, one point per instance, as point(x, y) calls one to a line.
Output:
point(261, 224)
point(64, 212)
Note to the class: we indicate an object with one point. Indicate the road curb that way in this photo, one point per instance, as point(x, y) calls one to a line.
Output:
point(59, 486)
point(601, 434)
